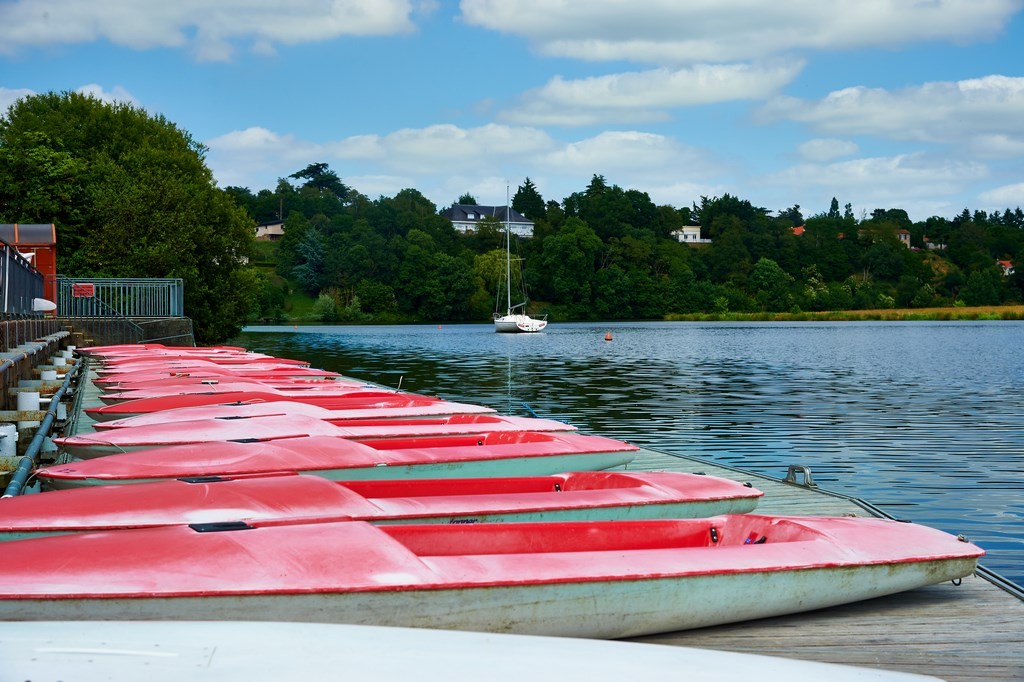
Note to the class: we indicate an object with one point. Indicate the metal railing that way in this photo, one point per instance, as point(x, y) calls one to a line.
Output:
point(20, 283)
point(120, 297)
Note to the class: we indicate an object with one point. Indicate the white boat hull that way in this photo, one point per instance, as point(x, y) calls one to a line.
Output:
point(592, 609)
point(232, 651)
point(518, 324)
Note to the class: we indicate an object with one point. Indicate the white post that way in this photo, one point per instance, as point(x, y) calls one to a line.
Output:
point(8, 440)
point(28, 401)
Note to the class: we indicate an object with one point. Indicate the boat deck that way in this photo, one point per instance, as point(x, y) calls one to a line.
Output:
point(968, 632)
point(971, 631)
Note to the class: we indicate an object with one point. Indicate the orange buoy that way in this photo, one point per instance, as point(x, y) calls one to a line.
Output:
point(608, 336)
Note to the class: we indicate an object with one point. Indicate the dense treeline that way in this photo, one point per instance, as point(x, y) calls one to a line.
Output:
point(608, 253)
point(131, 196)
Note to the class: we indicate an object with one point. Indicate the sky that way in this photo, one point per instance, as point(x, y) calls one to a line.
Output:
point(912, 104)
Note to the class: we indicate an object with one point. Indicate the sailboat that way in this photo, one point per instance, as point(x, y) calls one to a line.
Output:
point(514, 319)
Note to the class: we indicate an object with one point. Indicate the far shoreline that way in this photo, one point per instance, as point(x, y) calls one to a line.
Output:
point(949, 313)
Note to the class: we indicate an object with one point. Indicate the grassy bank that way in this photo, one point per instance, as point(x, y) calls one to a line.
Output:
point(1008, 312)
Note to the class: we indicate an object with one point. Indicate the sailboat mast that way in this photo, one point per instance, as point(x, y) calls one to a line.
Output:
point(508, 258)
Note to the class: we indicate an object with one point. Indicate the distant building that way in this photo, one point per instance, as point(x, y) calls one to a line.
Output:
point(270, 232)
point(1007, 267)
point(690, 234)
point(466, 218)
point(798, 230)
point(904, 237)
point(932, 245)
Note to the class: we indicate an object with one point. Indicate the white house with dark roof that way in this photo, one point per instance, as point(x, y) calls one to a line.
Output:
point(271, 231)
point(466, 217)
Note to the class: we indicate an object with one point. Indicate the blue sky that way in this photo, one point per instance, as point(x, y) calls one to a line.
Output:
point(914, 104)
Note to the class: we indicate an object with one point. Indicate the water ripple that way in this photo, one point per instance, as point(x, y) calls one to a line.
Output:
point(926, 420)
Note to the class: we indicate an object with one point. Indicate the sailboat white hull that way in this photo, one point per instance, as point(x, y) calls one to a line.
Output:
point(515, 324)
point(512, 322)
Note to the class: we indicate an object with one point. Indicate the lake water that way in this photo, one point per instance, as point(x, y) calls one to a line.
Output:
point(925, 420)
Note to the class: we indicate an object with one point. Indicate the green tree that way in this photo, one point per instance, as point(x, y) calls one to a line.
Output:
point(984, 287)
point(312, 251)
point(568, 260)
point(131, 196)
point(321, 178)
point(771, 285)
point(528, 201)
point(833, 210)
point(325, 308)
point(729, 259)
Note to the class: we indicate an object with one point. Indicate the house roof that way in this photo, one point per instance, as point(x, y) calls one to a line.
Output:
point(460, 213)
point(798, 230)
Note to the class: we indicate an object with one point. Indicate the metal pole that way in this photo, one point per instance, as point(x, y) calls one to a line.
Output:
point(28, 460)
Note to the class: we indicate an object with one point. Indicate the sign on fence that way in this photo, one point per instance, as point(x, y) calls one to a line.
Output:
point(83, 290)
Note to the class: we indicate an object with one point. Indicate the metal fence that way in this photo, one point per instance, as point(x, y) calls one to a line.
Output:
point(20, 282)
point(120, 297)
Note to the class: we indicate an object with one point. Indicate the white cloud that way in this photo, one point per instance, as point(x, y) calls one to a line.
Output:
point(255, 157)
point(640, 96)
point(918, 183)
point(826, 149)
point(446, 147)
point(917, 173)
point(209, 29)
point(118, 94)
point(996, 146)
point(973, 112)
point(9, 96)
point(1003, 197)
point(672, 32)
point(613, 151)
point(445, 161)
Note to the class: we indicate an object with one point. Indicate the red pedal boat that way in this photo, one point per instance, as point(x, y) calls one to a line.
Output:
point(281, 408)
point(355, 400)
point(576, 496)
point(272, 428)
point(598, 579)
point(495, 454)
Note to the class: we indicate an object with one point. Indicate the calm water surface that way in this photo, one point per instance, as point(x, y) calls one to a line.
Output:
point(925, 420)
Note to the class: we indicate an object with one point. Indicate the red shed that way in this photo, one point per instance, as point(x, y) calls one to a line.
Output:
point(38, 243)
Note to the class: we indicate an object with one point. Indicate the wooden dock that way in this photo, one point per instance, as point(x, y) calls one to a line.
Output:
point(972, 631)
point(968, 632)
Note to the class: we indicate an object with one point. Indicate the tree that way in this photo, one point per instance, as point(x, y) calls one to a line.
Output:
point(529, 202)
point(568, 261)
point(467, 199)
point(131, 196)
point(771, 284)
point(793, 216)
point(320, 177)
point(833, 209)
point(984, 287)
